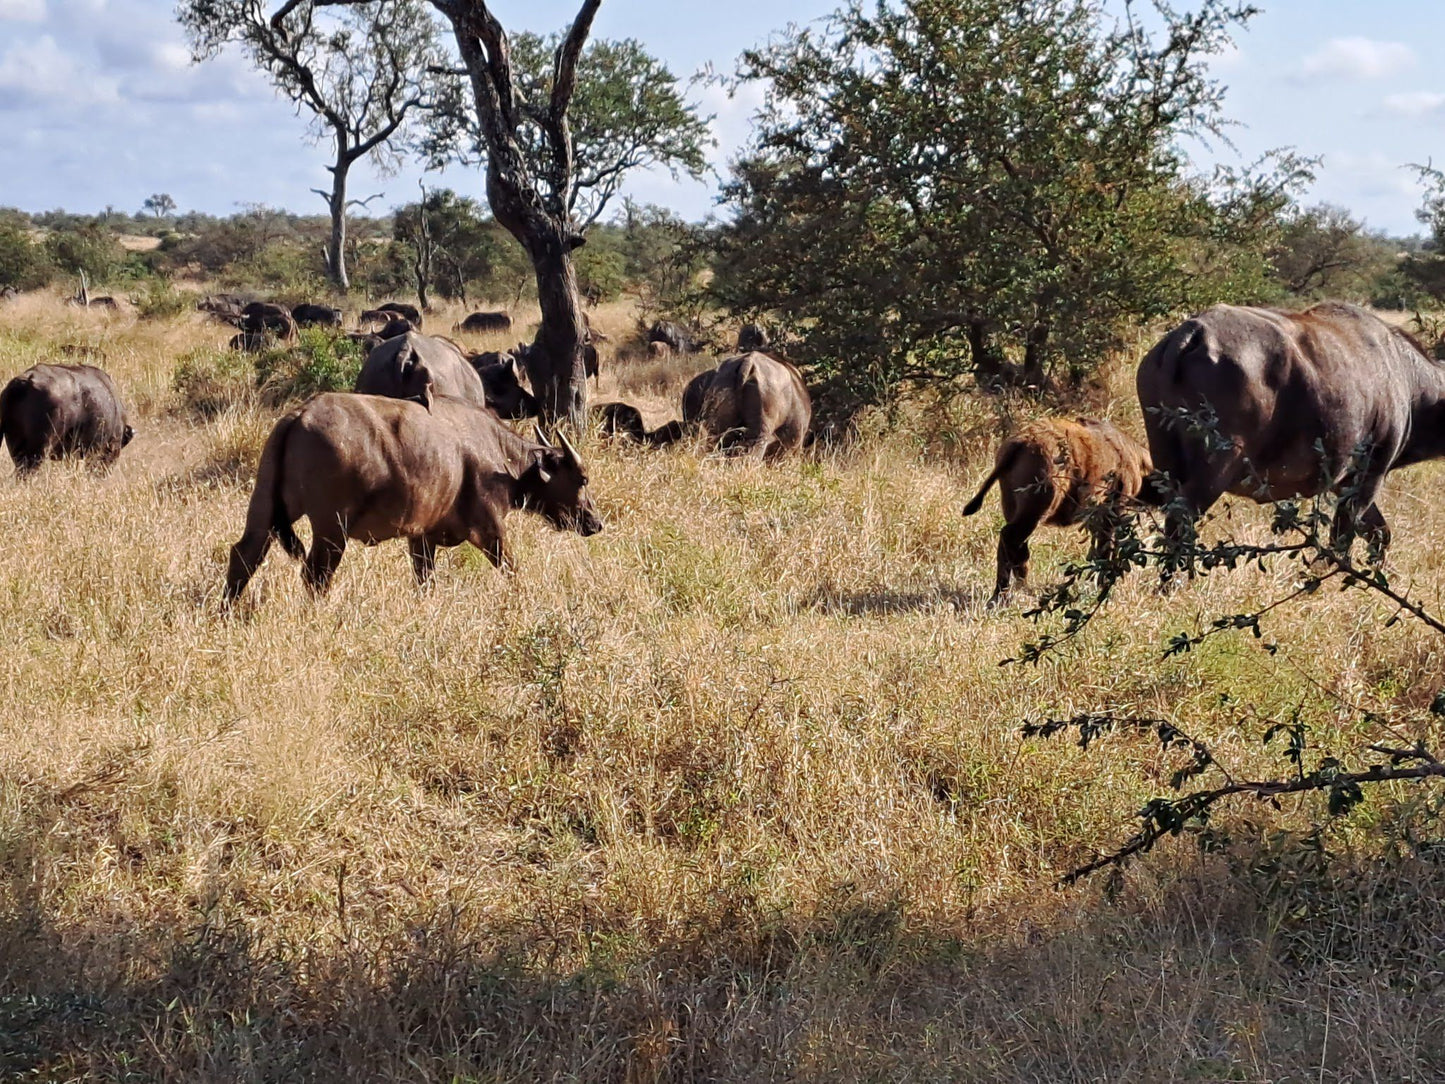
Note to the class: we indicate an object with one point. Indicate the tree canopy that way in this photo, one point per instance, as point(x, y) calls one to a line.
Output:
point(360, 69)
point(627, 113)
point(947, 186)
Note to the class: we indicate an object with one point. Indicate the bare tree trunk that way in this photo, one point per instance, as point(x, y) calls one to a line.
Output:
point(336, 201)
point(556, 366)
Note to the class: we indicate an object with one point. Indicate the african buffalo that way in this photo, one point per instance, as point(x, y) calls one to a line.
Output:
point(309, 315)
point(1061, 473)
point(417, 366)
point(502, 381)
point(625, 420)
point(262, 316)
point(370, 468)
point(51, 411)
point(484, 322)
point(389, 310)
point(1271, 405)
point(8, 293)
point(752, 337)
point(674, 335)
point(397, 325)
point(755, 404)
point(252, 341)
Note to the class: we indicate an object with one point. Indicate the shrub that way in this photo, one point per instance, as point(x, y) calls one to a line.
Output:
point(159, 300)
point(23, 264)
point(210, 382)
point(321, 360)
point(90, 249)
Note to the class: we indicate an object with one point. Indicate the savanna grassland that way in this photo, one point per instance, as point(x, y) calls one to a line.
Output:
point(733, 790)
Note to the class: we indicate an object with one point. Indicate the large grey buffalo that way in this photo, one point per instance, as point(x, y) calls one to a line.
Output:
point(416, 366)
point(50, 411)
point(1060, 473)
point(1272, 405)
point(754, 404)
point(367, 468)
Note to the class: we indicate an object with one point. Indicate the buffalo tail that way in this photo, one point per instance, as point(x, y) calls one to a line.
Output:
point(1005, 460)
point(269, 478)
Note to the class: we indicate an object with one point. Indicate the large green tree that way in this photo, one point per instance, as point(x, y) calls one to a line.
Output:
point(944, 186)
point(361, 70)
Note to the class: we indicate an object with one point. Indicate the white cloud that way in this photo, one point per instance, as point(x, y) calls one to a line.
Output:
point(1415, 103)
point(22, 11)
point(40, 73)
point(1357, 58)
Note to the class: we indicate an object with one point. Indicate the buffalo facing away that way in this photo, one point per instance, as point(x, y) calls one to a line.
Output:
point(1273, 405)
point(367, 468)
point(480, 323)
point(51, 411)
point(1060, 473)
point(753, 404)
point(416, 366)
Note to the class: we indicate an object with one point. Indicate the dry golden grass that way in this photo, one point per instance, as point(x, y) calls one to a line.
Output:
point(733, 790)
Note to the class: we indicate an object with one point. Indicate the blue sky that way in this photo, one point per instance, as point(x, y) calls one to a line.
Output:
point(100, 104)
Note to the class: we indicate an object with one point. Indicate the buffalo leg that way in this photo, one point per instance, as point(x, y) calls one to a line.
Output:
point(490, 543)
point(1013, 555)
point(327, 548)
point(1358, 514)
point(246, 557)
point(423, 559)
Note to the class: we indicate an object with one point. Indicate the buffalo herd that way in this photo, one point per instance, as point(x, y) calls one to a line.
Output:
point(1257, 402)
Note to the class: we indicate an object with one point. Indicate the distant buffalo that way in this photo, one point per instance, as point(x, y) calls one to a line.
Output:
point(674, 335)
point(369, 468)
point(1274, 405)
point(226, 307)
point(389, 310)
point(252, 342)
point(397, 325)
point(752, 337)
point(501, 375)
point(753, 404)
point(484, 322)
point(51, 411)
point(8, 293)
point(1060, 473)
point(309, 315)
point(419, 367)
point(263, 316)
point(625, 420)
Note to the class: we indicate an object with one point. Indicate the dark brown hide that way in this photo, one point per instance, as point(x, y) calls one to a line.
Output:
point(309, 315)
point(368, 469)
point(483, 322)
point(1273, 405)
point(51, 411)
